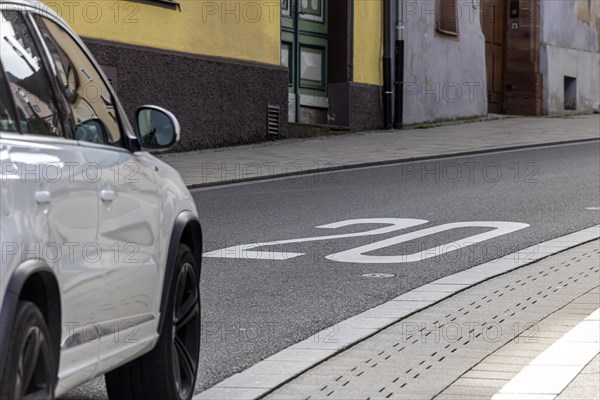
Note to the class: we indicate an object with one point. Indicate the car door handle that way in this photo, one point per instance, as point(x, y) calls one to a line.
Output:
point(43, 197)
point(107, 195)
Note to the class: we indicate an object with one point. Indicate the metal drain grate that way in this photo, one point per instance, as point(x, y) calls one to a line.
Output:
point(272, 120)
point(378, 275)
point(421, 355)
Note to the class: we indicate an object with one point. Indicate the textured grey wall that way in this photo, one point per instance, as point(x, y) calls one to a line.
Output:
point(219, 102)
point(366, 107)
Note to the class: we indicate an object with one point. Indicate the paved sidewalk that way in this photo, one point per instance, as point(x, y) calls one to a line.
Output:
point(522, 369)
point(529, 334)
point(296, 156)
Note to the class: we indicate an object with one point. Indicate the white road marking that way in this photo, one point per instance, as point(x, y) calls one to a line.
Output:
point(552, 371)
point(244, 251)
point(593, 208)
point(357, 255)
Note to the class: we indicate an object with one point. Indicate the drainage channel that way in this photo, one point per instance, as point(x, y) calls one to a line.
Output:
point(420, 356)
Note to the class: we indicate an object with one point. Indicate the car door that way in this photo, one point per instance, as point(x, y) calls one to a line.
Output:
point(52, 204)
point(128, 234)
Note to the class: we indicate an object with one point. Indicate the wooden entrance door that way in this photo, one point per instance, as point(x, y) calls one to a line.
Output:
point(493, 22)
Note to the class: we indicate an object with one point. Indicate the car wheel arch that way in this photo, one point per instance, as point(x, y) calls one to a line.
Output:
point(186, 230)
point(36, 282)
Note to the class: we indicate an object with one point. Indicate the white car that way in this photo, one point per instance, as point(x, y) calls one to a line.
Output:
point(100, 241)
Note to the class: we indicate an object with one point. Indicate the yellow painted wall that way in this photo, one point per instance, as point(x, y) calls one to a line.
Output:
point(368, 41)
point(244, 30)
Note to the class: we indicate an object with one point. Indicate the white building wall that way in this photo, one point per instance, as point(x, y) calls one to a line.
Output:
point(570, 47)
point(445, 76)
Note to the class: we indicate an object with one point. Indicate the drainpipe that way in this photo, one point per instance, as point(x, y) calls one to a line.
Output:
point(399, 82)
point(295, 6)
point(388, 78)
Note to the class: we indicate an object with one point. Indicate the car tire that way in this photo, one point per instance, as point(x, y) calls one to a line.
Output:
point(30, 369)
point(169, 370)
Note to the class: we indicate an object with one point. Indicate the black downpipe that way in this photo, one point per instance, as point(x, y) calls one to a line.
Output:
point(296, 12)
point(399, 85)
point(388, 95)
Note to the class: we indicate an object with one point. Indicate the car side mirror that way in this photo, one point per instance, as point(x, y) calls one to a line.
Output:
point(157, 128)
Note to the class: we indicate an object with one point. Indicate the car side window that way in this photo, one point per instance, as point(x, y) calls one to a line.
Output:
point(92, 105)
point(28, 80)
point(7, 114)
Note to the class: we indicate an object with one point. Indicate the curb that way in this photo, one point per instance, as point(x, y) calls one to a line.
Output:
point(275, 371)
point(388, 162)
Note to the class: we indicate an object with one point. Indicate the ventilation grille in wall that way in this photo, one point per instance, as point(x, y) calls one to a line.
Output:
point(273, 120)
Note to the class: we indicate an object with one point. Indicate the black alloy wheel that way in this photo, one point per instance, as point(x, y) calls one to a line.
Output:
point(186, 330)
point(30, 373)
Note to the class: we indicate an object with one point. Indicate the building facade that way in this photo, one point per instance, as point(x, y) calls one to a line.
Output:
point(551, 58)
point(444, 62)
point(243, 71)
point(570, 55)
point(214, 64)
point(333, 51)
point(467, 58)
point(239, 71)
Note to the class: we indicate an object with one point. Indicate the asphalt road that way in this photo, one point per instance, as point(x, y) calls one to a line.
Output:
point(253, 308)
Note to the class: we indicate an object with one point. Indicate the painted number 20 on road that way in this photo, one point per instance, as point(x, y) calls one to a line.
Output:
point(359, 254)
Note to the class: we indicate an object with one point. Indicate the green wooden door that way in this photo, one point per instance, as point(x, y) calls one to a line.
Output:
point(304, 52)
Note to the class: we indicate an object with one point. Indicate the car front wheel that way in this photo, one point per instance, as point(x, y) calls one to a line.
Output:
point(169, 370)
